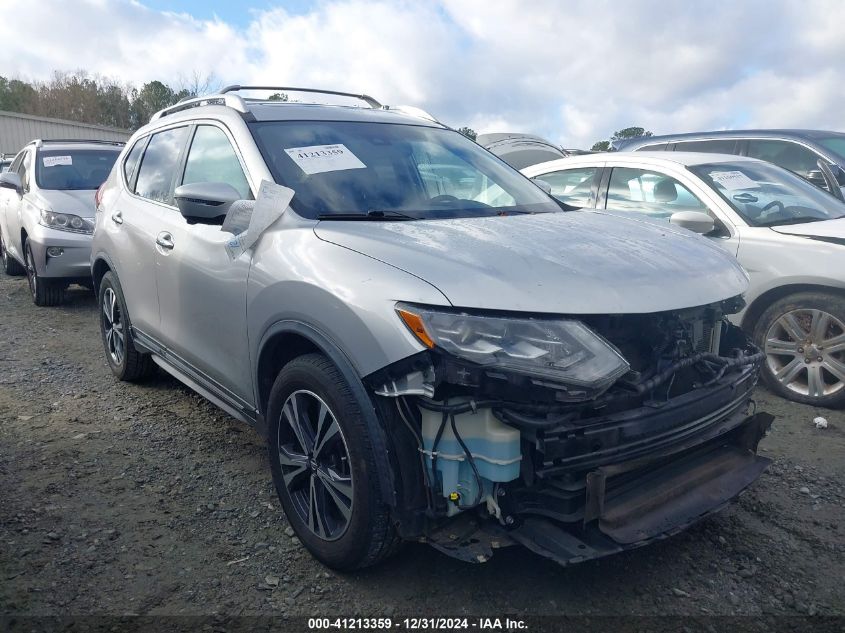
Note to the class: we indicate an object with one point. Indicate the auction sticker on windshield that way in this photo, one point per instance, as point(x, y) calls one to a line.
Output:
point(52, 161)
point(732, 180)
point(318, 159)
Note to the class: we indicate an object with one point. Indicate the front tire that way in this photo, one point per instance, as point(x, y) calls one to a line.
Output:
point(803, 336)
point(10, 265)
point(45, 292)
point(324, 466)
point(124, 360)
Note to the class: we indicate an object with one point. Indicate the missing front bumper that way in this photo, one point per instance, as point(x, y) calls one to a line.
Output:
point(628, 505)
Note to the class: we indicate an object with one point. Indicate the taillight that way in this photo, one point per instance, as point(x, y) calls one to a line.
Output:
point(98, 197)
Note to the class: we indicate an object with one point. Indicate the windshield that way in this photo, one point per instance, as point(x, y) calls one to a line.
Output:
point(386, 170)
point(767, 195)
point(70, 169)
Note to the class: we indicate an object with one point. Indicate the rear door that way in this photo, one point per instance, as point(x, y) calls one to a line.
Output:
point(8, 205)
point(202, 292)
point(136, 218)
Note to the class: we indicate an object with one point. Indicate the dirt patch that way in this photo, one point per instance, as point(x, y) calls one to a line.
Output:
point(147, 499)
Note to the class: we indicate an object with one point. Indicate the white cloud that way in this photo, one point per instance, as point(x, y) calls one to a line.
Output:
point(573, 71)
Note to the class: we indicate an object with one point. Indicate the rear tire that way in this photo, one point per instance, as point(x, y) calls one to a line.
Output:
point(11, 266)
point(803, 336)
point(45, 292)
point(124, 360)
point(329, 489)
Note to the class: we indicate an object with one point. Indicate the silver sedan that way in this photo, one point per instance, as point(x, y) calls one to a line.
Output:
point(788, 235)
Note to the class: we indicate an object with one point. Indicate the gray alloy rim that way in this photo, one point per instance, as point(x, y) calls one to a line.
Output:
point(31, 272)
point(3, 254)
point(315, 465)
point(805, 351)
point(113, 327)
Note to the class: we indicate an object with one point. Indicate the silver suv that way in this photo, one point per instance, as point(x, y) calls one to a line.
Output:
point(431, 344)
point(47, 213)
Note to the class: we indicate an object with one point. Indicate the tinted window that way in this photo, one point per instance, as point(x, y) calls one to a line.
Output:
point(834, 144)
point(650, 193)
point(212, 159)
point(714, 146)
point(339, 167)
point(765, 195)
point(132, 159)
point(786, 154)
point(160, 162)
point(659, 147)
point(572, 186)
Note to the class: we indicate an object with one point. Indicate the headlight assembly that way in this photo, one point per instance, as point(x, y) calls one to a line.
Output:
point(562, 351)
point(66, 222)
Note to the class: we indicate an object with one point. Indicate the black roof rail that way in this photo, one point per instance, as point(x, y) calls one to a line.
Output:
point(365, 98)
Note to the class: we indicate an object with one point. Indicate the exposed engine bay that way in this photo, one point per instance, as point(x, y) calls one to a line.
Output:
point(576, 438)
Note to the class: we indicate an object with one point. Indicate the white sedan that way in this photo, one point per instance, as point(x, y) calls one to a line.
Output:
point(788, 234)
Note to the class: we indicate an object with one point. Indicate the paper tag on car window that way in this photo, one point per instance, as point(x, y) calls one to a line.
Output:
point(732, 180)
point(269, 206)
point(52, 161)
point(318, 159)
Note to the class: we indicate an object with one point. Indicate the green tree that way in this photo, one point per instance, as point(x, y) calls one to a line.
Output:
point(17, 96)
point(152, 97)
point(278, 96)
point(624, 133)
point(468, 132)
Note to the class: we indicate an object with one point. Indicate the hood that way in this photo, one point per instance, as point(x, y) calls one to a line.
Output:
point(77, 202)
point(564, 263)
point(825, 229)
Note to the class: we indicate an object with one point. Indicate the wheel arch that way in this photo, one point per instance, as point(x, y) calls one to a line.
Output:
point(99, 268)
point(285, 340)
point(760, 303)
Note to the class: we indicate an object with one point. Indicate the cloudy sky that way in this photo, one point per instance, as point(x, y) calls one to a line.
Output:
point(573, 71)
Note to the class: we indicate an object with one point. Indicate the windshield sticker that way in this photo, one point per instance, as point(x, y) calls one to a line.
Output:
point(318, 159)
point(269, 206)
point(52, 161)
point(733, 180)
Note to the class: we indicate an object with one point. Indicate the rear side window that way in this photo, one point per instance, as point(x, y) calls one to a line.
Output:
point(659, 147)
point(212, 159)
point(572, 186)
point(159, 165)
point(132, 158)
point(714, 146)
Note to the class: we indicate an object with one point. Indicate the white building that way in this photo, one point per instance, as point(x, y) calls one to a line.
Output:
point(16, 130)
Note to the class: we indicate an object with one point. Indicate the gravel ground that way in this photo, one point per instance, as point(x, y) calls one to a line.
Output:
point(147, 499)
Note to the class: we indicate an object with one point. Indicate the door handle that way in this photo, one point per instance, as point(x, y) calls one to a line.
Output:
point(165, 240)
point(117, 217)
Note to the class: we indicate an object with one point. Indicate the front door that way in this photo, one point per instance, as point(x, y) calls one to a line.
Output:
point(202, 292)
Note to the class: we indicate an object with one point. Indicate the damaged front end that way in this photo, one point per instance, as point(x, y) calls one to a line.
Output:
point(577, 438)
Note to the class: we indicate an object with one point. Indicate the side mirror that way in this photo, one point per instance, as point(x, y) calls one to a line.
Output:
point(10, 180)
point(543, 185)
point(205, 202)
point(695, 221)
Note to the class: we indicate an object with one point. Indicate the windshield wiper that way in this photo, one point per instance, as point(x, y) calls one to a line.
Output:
point(801, 219)
point(373, 215)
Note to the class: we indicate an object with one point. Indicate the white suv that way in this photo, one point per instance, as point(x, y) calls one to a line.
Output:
point(47, 213)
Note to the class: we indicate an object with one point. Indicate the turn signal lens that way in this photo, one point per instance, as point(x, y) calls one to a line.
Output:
point(415, 324)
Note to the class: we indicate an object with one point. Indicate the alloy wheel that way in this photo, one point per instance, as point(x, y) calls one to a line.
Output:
point(113, 327)
point(31, 272)
point(315, 464)
point(805, 351)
